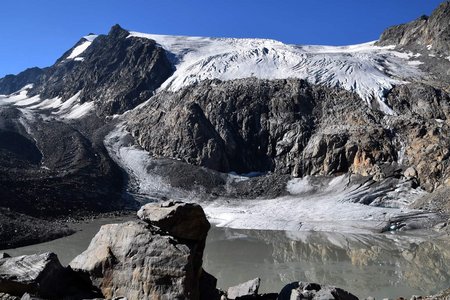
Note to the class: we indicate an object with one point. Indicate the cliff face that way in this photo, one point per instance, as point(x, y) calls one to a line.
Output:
point(292, 127)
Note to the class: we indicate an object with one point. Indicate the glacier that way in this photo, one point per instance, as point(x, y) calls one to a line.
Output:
point(366, 69)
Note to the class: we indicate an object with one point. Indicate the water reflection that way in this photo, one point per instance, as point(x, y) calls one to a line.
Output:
point(380, 265)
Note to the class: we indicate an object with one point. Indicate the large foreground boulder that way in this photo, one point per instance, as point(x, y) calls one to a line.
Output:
point(138, 261)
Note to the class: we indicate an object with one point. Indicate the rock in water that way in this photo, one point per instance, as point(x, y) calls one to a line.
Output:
point(244, 289)
point(313, 291)
point(133, 260)
point(178, 219)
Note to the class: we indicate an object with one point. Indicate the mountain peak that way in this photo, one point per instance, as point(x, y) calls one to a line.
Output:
point(431, 33)
point(117, 30)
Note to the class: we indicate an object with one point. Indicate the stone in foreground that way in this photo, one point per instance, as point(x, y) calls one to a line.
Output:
point(157, 259)
point(178, 219)
point(313, 291)
point(244, 289)
point(43, 275)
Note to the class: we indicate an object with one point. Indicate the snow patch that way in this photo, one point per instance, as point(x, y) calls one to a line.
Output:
point(78, 50)
point(70, 109)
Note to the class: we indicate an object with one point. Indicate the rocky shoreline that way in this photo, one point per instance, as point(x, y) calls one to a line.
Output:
point(158, 256)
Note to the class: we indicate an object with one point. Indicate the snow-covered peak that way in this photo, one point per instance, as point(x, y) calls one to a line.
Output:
point(78, 50)
point(366, 69)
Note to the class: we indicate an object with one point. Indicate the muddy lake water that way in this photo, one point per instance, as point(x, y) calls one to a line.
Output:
point(384, 265)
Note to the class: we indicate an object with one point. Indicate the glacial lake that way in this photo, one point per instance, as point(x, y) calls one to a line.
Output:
point(387, 265)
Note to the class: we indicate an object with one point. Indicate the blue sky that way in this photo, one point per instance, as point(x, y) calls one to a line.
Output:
point(36, 33)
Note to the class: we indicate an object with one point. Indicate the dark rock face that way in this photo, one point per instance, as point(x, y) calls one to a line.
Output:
point(433, 30)
point(241, 125)
point(116, 72)
point(12, 83)
point(291, 127)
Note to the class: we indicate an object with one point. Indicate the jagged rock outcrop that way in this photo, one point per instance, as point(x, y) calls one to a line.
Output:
point(432, 32)
point(137, 261)
point(12, 83)
point(427, 39)
point(116, 72)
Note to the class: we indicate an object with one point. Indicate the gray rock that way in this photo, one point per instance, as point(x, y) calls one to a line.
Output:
point(4, 296)
point(4, 255)
point(178, 219)
point(410, 173)
point(128, 260)
point(41, 275)
point(30, 274)
point(244, 289)
point(313, 291)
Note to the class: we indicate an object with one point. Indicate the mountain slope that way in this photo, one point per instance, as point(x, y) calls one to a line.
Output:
point(178, 114)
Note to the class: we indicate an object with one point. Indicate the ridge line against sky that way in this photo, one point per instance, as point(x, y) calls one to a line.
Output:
point(36, 33)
